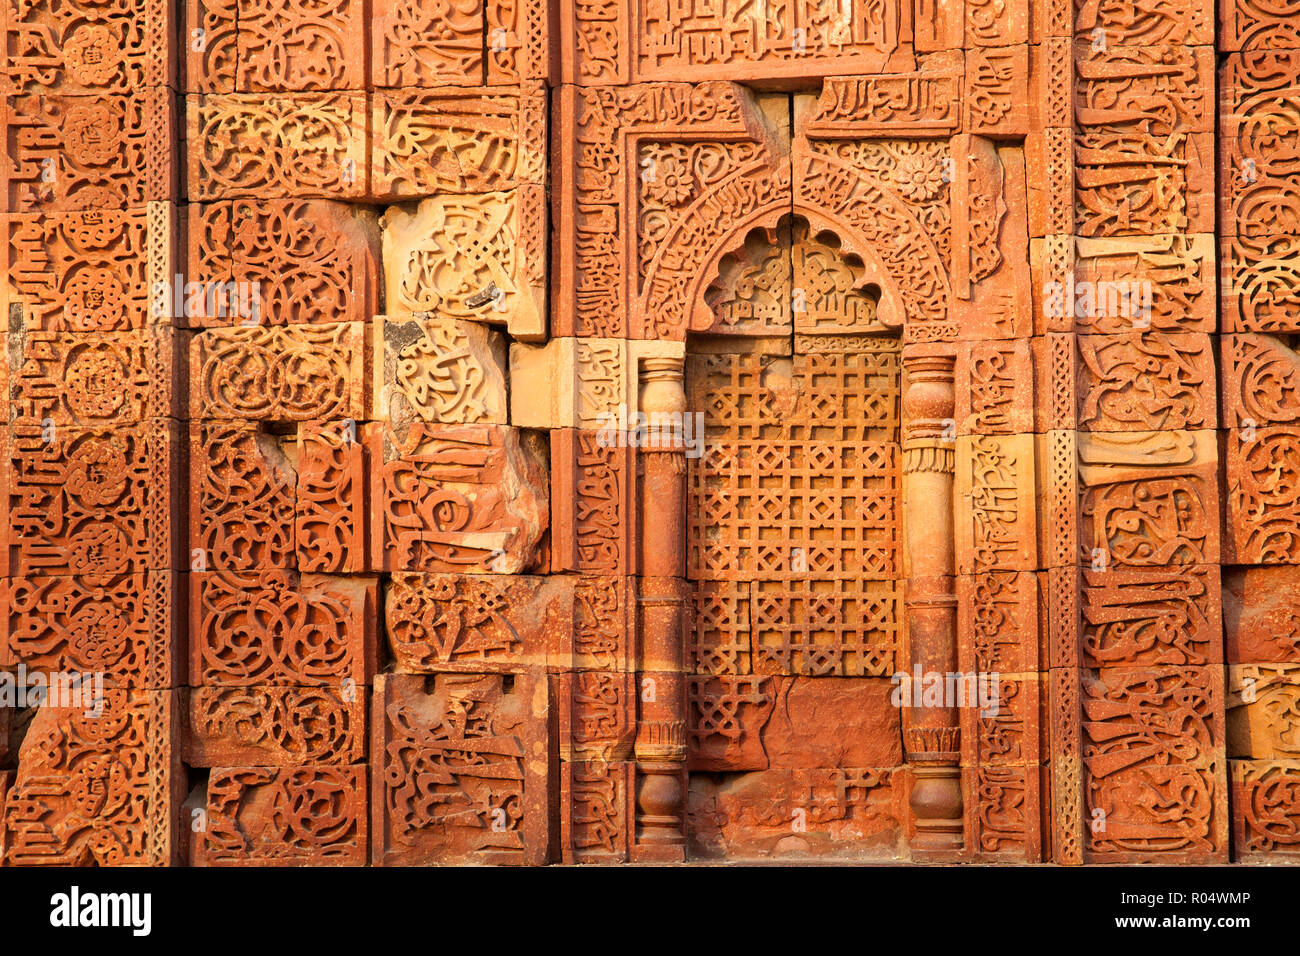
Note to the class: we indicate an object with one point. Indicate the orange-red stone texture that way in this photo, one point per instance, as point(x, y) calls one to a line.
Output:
point(337, 343)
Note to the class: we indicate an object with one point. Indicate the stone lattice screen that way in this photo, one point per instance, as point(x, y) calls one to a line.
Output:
point(329, 327)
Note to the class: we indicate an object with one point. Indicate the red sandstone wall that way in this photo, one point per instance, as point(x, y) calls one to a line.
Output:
point(327, 334)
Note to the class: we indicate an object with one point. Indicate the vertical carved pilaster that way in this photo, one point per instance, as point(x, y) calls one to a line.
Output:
point(932, 734)
point(663, 595)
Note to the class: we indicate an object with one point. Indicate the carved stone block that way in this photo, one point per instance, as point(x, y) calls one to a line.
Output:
point(331, 511)
point(1263, 711)
point(1145, 381)
point(1263, 507)
point(997, 622)
point(792, 41)
point(98, 789)
point(87, 47)
point(1131, 284)
point(793, 814)
point(1051, 87)
point(593, 502)
point(1261, 283)
point(418, 43)
point(1148, 499)
point(297, 373)
point(597, 714)
point(741, 723)
point(993, 399)
point(1154, 765)
point(1260, 91)
point(1150, 616)
point(521, 42)
point(1166, 24)
point(440, 370)
point(479, 257)
point(995, 491)
point(1159, 180)
point(212, 67)
point(997, 91)
point(286, 816)
point(1246, 24)
point(457, 498)
point(1000, 717)
point(261, 501)
point(1261, 614)
point(1260, 383)
point(1116, 77)
point(282, 146)
point(1265, 810)
point(456, 141)
point(97, 503)
point(249, 629)
point(279, 262)
point(284, 45)
point(605, 634)
point(79, 153)
point(289, 45)
point(81, 380)
point(920, 104)
point(122, 629)
point(597, 810)
point(1007, 803)
point(273, 726)
point(461, 771)
point(475, 623)
point(77, 271)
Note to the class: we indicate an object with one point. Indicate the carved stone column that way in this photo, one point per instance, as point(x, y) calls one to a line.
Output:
point(663, 603)
point(932, 734)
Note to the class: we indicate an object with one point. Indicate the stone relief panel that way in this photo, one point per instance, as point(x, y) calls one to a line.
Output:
point(335, 333)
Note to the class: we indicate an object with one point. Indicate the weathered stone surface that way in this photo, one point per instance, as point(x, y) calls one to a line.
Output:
point(78, 271)
point(281, 816)
point(1154, 764)
point(122, 627)
point(469, 257)
point(1263, 700)
point(99, 502)
point(587, 383)
point(79, 153)
point(278, 262)
point(593, 503)
point(88, 47)
point(475, 623)
point(436, 369)
point(757, 723)
point(457, 498)
point(461, 769)
point(260, 501)
point(457, 141)
point(794, 814)
point(93, 379)
point(1261, 615)
point(276, 146)
point(527, 432)
point(273, 726)
point(98, 788)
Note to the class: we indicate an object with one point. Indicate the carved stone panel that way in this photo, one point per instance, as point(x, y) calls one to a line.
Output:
point(460, 769)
